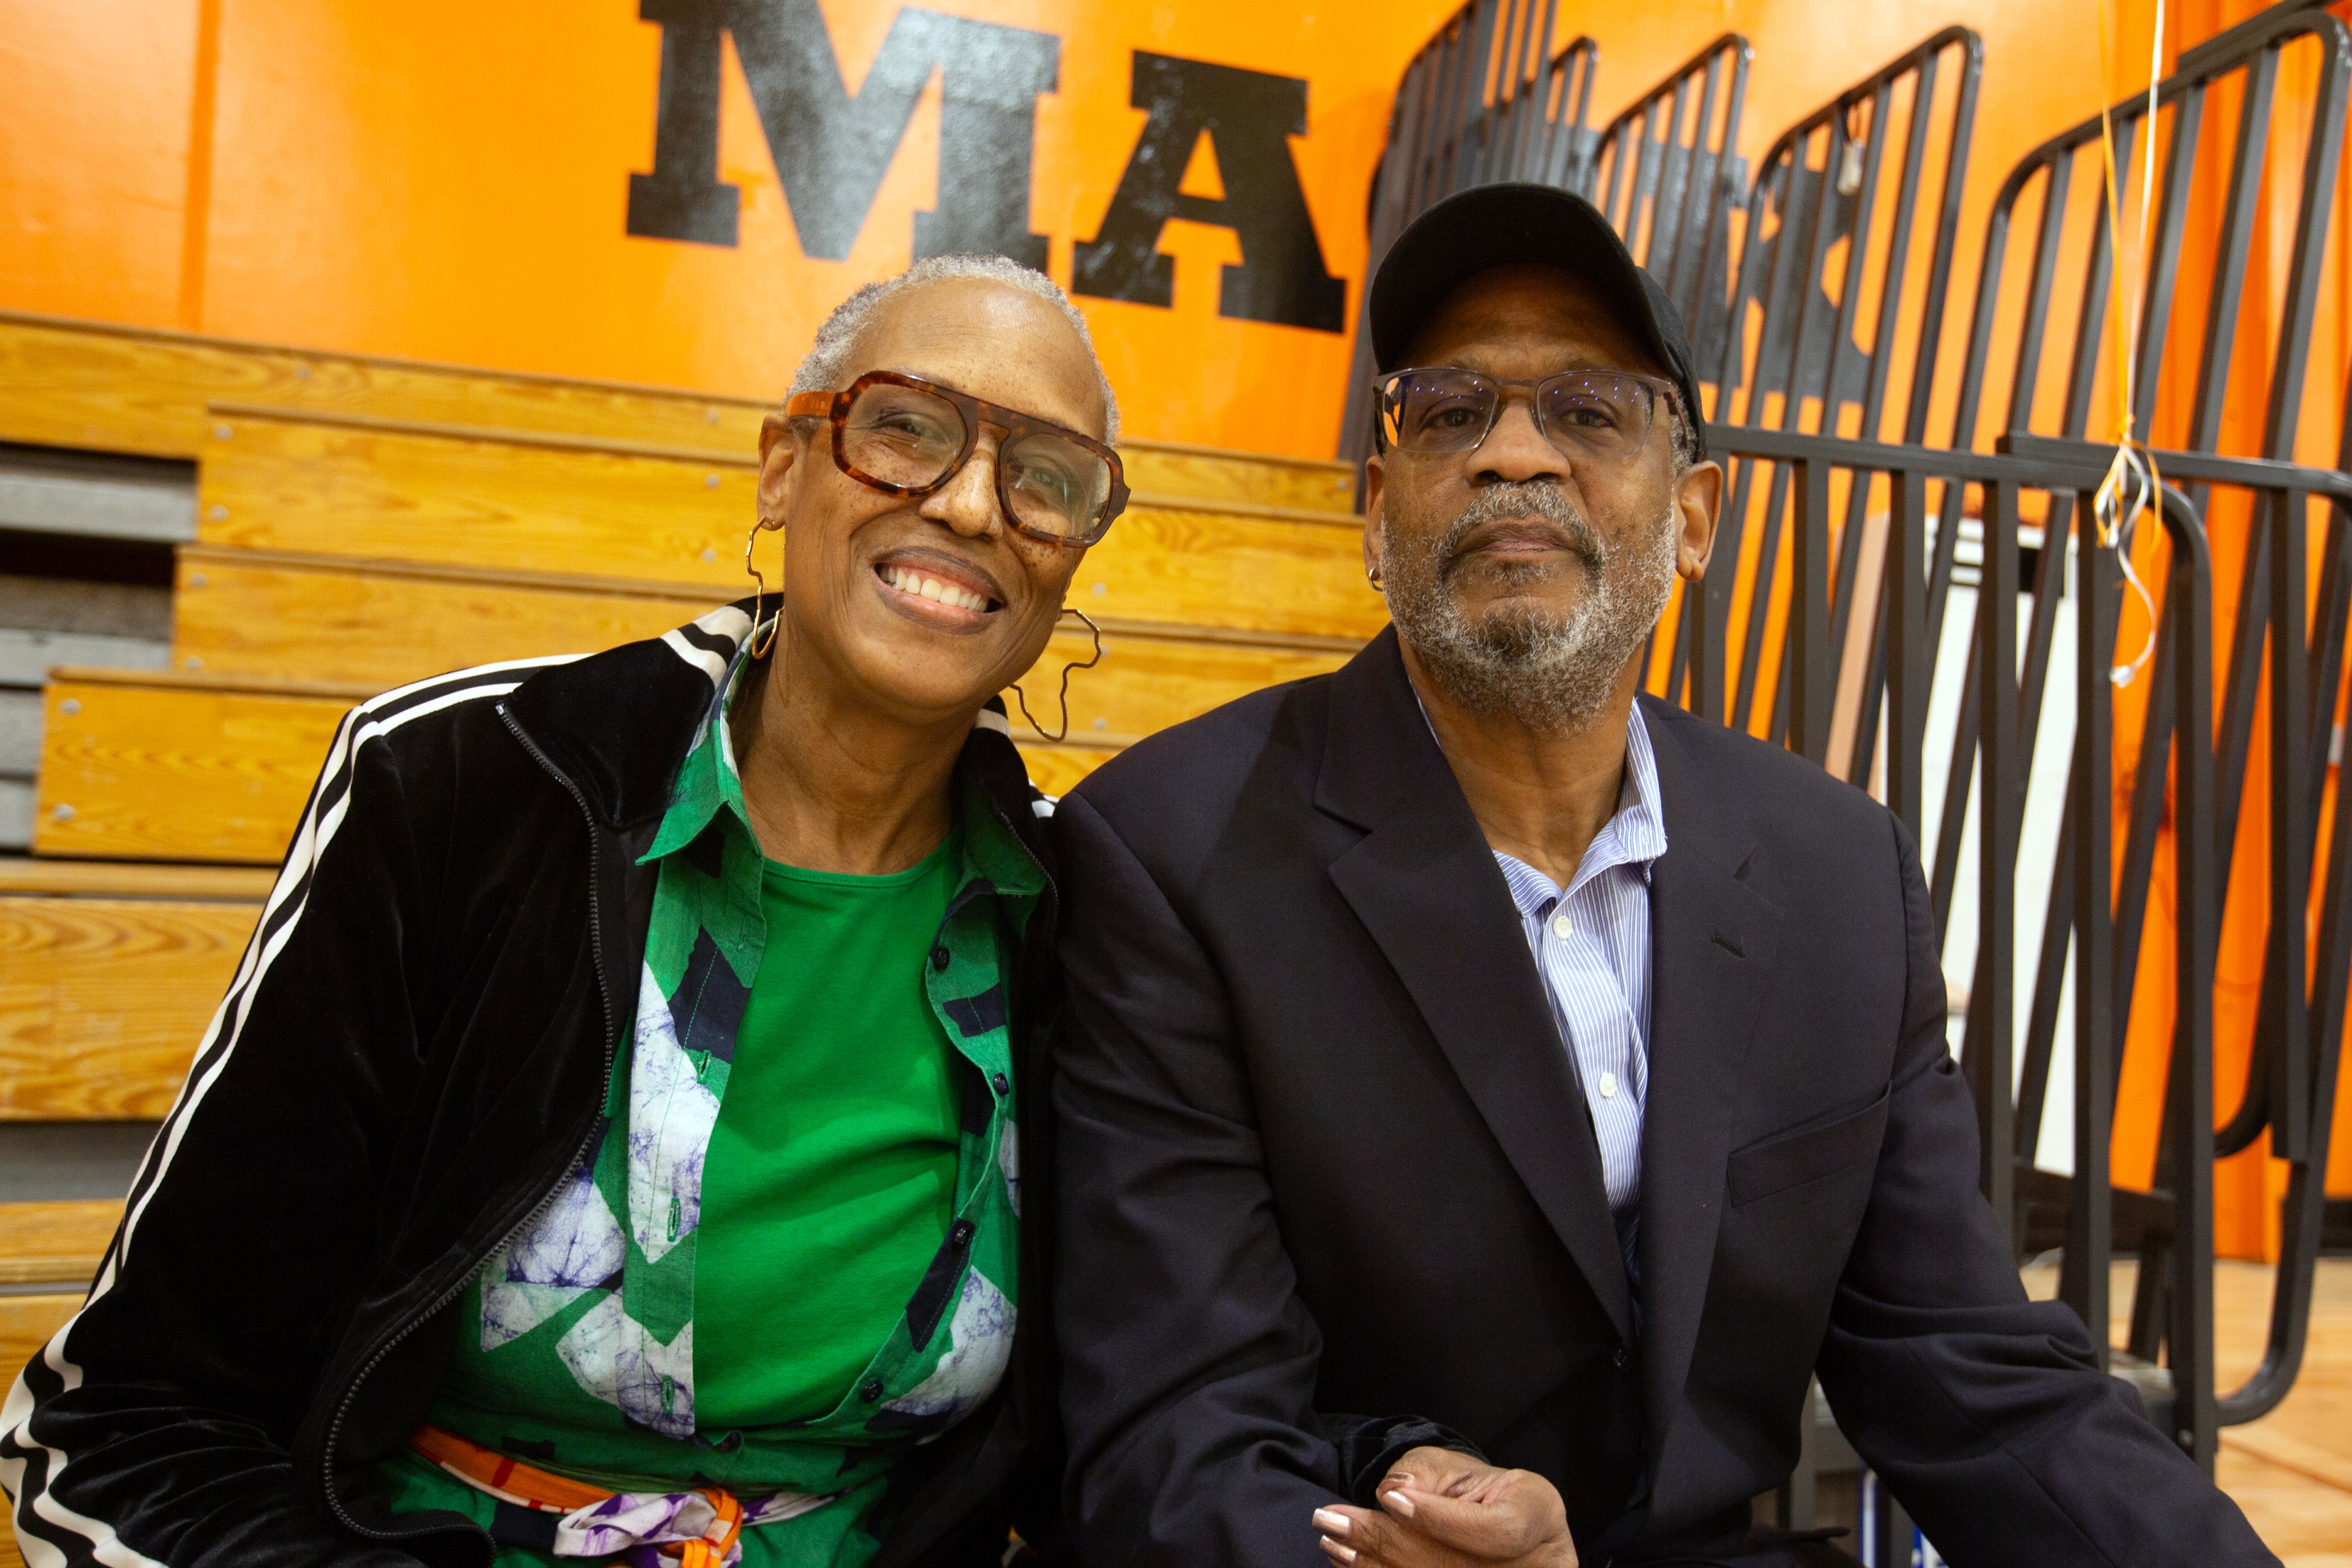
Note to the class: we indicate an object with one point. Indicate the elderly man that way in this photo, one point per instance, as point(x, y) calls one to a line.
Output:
point(1488, 1097)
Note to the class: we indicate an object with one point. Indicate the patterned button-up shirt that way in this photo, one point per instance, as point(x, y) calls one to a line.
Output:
point(595, 1297)
point(1592, 945)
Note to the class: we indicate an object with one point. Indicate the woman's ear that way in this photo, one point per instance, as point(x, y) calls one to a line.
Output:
point(780, 448)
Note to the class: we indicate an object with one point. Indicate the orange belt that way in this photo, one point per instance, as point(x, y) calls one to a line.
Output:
point(526, 1485)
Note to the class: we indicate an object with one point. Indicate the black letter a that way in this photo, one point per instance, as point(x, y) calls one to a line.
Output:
point(1249, 116)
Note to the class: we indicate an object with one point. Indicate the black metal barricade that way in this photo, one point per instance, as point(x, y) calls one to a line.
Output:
point(2066, 307)
point(1791, 360)
point(1486, 100)
point(1667, 172)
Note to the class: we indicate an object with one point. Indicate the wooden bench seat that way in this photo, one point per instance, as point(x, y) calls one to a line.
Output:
point(133, 880)
point(57, 1243)
point(118, 389)
point(102, 1001)
point(383, 492)
point(260, 614)
point(162, 767)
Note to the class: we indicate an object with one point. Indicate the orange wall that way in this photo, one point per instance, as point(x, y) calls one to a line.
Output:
point(449, 181)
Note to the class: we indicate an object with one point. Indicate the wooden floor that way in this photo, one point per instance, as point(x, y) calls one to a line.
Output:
point(2292, 1470)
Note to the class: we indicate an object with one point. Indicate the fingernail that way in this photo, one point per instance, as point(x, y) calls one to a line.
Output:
point(1401, 1503)
point(1339, 1552)
point(1330, 1521)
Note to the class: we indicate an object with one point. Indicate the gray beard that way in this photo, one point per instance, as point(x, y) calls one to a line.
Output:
point(1551, 672)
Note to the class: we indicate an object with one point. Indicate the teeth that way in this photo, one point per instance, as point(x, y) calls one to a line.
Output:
point(908, 580)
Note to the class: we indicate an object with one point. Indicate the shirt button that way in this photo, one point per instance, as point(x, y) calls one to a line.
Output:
point(1001, 1084)
point(1608, 1085)
point(938, 956)
point(872, 1391)
point(962, 1233)
point(1560, 928)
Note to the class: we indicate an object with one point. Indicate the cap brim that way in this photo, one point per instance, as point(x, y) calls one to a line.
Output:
point(1498, 225)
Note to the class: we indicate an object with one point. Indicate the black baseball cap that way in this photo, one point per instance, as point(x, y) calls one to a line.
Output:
point(1494, 225)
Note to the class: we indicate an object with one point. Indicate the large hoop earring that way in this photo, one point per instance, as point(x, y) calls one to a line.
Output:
point(1023, 697)
point(760, 589)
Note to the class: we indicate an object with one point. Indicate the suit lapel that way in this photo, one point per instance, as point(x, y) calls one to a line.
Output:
point(1711, 940)
point(1426, 884)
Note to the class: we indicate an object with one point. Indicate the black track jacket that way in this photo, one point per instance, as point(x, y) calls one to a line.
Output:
point(412, 1052)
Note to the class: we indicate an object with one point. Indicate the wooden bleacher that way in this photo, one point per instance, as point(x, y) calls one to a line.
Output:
point(366, 522)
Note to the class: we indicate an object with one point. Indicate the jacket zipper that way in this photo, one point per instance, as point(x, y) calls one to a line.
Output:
point(343, 1515)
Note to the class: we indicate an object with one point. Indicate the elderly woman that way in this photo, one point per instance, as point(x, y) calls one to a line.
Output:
point(607, 1150)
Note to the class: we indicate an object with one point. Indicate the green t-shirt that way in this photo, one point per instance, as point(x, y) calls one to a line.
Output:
point(810, 1146)
point(832, 1171)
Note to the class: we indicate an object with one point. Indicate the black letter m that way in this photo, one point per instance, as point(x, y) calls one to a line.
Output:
point(832, 149)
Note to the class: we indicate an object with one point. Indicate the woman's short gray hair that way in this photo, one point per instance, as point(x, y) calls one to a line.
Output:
point(826, 365)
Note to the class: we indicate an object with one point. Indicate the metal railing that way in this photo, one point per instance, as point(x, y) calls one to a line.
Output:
point(2268, 503)
point(1668, 175)
point(1791, 359)
point(1827, 372)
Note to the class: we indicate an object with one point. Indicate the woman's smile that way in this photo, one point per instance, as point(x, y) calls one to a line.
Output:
point(924, 587)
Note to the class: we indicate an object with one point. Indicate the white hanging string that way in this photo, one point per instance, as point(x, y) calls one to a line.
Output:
point(2133, 485)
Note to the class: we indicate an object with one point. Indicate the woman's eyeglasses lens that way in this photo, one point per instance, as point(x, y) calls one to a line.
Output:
point(1593, 414)
point(905, 436)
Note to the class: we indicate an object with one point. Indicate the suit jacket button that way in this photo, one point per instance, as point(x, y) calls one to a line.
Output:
point(872, 1391)
point(1618, 1358)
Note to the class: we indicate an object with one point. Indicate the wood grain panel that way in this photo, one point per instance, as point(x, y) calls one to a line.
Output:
point(102, 1002)
point(107, 878)
point(489, 505)
point(1199, 568)
point(254, 615)
point(257, 614)
point(1147, 683)
point(168, 773)
point(273, 484)
point(75, 384)
point(216, 768)
point(55, 1243)
point(27, 1323)
point(1207, 474)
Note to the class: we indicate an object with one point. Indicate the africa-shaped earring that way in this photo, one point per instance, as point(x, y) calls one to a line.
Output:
point(1023, 697)
point(760, 589)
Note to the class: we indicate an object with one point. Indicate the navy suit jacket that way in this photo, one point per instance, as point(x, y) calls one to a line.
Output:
point(1328, 1186)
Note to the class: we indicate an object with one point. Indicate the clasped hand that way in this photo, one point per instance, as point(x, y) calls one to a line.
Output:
point(1443, 1510)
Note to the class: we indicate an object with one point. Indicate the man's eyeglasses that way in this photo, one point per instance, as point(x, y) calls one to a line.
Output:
point(1602, 416)
point(907, 436)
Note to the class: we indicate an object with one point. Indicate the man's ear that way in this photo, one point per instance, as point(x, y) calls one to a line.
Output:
point(1699, 497)
point(1374, 477)
point(780, 450)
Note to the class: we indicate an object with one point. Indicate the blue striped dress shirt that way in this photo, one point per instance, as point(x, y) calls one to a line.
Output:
point(1591, 946)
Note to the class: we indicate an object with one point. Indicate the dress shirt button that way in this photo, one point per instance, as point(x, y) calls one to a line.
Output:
point(940, 956)
point(872, 1391)
point(1560, 928)
point(1001, 1084)
point(1608, 1085)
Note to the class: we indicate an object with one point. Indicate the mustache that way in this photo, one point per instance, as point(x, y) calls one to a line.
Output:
point(1537, 499)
